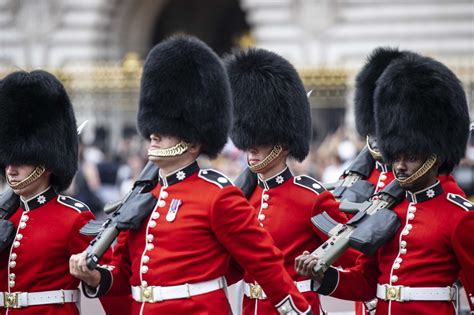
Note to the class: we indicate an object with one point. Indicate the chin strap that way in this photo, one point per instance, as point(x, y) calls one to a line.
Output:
point(178, 149)
point(37, 172)
point(430, 161)
point(277, 149)
point(374, 152)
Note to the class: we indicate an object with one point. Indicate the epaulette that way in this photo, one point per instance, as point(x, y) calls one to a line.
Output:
point(460, 201)
point(215, 177)
point(309, 183)
point(73, 203)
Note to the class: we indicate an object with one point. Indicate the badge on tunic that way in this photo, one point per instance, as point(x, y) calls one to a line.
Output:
point(173, 210)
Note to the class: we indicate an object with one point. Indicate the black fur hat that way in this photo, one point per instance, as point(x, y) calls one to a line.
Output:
point(365, 85)
point(270, 102)
point(185, 93)
point(38, 125)
point(421, 108)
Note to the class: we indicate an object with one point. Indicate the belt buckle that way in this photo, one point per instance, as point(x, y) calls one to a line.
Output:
point(11, 300)
point(393, 293)
point(146, 294)
point(256, 291)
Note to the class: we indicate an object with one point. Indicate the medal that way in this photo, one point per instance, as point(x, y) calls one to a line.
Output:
point(173, 210)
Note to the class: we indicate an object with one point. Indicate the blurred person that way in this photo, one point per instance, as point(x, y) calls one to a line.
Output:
point(422, 124)
point(175, 262)
point(272, 124)
point(85, 183)
point(128, 173)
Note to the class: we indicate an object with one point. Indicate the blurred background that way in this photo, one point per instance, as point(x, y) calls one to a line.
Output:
point(97, 48)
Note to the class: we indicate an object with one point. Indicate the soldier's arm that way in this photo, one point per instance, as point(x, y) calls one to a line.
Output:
point(111, 278)
point(463, 245)
point(235, 224)
point(358, 283)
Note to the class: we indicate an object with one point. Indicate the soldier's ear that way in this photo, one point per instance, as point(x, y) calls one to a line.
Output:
point(194, 148)
point(286, 150)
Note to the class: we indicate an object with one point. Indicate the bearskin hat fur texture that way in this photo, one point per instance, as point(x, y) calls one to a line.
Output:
point(270, 102)
point(38, 125)
point(421, 108)
point(365, 86)
point(185, 93)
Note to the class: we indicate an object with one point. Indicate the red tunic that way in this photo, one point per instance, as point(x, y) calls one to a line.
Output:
point(213, 222)
point(286, 205)
point(381, 176)
point(429, 250)
point(47, 235)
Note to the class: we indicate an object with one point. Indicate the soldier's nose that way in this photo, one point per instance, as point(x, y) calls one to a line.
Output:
point(10, 170)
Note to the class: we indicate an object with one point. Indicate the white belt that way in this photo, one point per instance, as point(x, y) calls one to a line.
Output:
point(24, 299)
point(255, 291)
point(152, 294)
point(402, 294)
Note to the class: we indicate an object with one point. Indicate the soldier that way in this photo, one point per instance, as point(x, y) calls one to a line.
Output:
point(366, 83)
point(422, 125)
point(175, 262)
point(381, 174)
point(272, 122)
point(38, 158)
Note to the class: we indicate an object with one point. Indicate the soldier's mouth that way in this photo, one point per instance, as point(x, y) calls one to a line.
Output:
point(401, 176)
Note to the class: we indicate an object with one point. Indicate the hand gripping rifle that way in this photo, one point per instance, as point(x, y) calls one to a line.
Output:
point(126, 214)
point(371, 227)
point(352, 184)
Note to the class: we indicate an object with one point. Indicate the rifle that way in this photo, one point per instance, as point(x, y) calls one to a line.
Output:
point(247, 182)
point(9, 202)
point(371, 227)
point(352, 184)
point(126, 214)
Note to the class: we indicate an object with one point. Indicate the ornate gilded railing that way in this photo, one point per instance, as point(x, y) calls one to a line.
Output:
point(97, 83)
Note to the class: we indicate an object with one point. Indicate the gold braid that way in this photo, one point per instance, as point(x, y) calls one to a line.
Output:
point(178, 149)
point(267, 160)
point(430, 161)
point(37, 172)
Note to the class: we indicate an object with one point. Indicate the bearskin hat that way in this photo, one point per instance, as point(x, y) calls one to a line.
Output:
point(421, 108)
point(270, 102)
point(365, 86)
point(185, 93)
point(38, 125)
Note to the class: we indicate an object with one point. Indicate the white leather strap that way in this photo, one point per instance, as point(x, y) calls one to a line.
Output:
point(403, 294)
point(152, 294)
point(24, 299)
point(254, 291)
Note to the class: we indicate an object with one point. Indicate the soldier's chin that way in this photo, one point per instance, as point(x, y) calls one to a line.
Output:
point(156, 158)
point(404, 185)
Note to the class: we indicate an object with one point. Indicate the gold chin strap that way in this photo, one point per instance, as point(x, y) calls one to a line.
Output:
point(375, 153)
point(267, 160)
point(180, 148)
point(419, 172)
point(37, 172)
